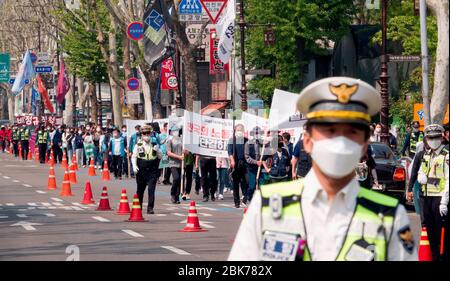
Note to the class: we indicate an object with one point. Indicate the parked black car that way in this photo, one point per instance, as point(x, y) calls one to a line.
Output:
point(391, 174)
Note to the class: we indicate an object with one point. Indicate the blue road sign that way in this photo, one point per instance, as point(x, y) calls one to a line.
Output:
point(44, 69)
point(155, 20)
point(255, 103)
point(189, 7)
point(135, 31)
point(133, 84)
point(11, 81)
point(27, 81)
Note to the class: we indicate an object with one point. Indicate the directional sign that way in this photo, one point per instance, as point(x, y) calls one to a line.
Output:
point(133, 84)
point(258, 71)
point(135, 31)
point(43, 69)
point(11, 81)
point(395, 58)
point(214, 8)
point(26, 225)
point(255, 103)
point(4, 67)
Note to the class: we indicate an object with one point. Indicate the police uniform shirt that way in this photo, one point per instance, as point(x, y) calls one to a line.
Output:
point(147, 148)
point(326, 223)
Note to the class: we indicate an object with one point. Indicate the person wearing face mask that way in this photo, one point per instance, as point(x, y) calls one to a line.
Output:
point(133, 140)
point(118, 149)
point(176, 156)
point(77, 144)
point(124, 135)
point(238, 167)
point(376, 137)
point(411, 140)
point(327, 215)
point(43, 139)
point(97, 137)
point(430, 169)
point(252, 151)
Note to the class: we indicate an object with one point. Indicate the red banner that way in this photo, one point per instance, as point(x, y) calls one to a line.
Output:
point(168, 77)
point(216, 66)
point(30, 120)
point(43, 91)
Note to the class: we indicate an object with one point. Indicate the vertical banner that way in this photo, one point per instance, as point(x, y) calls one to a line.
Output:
point(168, 78)
point(5, 66)
point(206, 135)
point(216, 66)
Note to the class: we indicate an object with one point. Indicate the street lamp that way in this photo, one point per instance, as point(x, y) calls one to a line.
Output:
point(384, 78)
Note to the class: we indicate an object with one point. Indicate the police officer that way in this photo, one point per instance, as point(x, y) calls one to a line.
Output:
point(327, 215)
point(411, 140)
point(430, 169)
point(42, 138)
point(15, 138)
point(24, 136)
point(145, 166)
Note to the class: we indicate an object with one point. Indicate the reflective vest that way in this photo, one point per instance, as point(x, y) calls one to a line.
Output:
point(415, 138)
point(145, 152)
point(15, 135)
point(372, 219)
point(434, 167)
point(42, 137)
point(24, 134)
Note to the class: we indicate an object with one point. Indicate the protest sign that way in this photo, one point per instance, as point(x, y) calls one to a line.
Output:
point(283, 112)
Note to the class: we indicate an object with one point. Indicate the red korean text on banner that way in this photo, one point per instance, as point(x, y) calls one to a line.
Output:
point(216, 66)
point(168, 77)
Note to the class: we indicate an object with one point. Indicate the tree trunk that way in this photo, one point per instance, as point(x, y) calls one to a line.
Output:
point(148, 112)
point(94, 104)
point(439, 100)
point(151, 108)
point(115, 88)
point(128, 73)
point(68, 112)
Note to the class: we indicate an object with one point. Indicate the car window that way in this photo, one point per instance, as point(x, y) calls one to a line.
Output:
point(381, 151)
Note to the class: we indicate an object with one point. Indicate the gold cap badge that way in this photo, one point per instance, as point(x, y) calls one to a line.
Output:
point(343, 92)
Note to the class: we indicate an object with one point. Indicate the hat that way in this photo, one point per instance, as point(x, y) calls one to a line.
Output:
point(146, 129)
point(339, 100)
point(433, 131)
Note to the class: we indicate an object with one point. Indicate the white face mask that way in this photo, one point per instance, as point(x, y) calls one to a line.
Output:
point(239, 134)
point(175, 133)
point(336, 157)
point(434, 143)
point(146, 138)
point(378, 130)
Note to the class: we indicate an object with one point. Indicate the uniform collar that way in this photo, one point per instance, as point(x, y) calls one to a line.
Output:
point(313, 188)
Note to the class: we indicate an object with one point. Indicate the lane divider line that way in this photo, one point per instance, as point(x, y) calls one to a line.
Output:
point(132, 233)
point(56, 199)
point(176, 250)
point(100, 219)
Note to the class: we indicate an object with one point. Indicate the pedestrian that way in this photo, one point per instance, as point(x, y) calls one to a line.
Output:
point(301, 160)
point(118, 144)
point(15, 140)
point(253, 149)
point(77, 143)
point(133, 140)
point(97, 148)
point(376, 137)
point(367, 170)
point(164, 138)
point(223, 166)
point(208, 176)
point(3, 138)
point(327, 215)
point(24, 136)
point(392, 141)
point(189, 163)
point(124, 135)
point(279, 170)
point(145, 166)
point(430, 169)
point(176, 156)
point(106, 147)
point(446, 134)
point(411, 140)
point(56, 143)
point(236, 153)
point(67, 143)
point(43, 139)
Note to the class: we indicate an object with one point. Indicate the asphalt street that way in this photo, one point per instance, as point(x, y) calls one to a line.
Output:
point(38, 224)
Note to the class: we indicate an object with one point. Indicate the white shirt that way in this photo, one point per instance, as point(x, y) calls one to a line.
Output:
point(325, 221)
point(116, 146)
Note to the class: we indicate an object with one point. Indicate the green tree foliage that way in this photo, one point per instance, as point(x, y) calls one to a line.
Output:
point(298, 25)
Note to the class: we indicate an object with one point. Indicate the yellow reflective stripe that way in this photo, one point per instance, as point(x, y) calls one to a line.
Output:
point(344, 114)
point(377, 197)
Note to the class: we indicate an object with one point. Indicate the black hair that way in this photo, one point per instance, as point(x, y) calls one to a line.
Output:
point(155, 126)
point(358, 126)
point(287, 136)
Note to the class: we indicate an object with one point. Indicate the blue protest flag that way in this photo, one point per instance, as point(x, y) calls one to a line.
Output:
point(26, 73)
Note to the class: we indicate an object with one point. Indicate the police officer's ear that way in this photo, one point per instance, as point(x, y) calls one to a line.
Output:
point(307, 140)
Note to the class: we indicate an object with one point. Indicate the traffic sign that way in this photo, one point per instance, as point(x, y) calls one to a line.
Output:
point(135, 31)
point(33, 57)
point(258, 72)
point(133, 84)
point(255, 103)
point(133, 97)
point(5, 66)
point(43, 69)
point(189, 7)
point(42, 58)
point(214, 8)
point(11, 81)
point(395, 58)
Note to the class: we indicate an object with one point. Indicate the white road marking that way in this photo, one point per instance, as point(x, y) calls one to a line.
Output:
point(43, 208)
point(160, 215)
point(176, 250)
point(31, 208)
point(205, 224)
point(51, 207)
point(3, 217)
point(178, 214)
point(66, 207)
point(22, 210)
point(26, 225)
point(56, 199)
point(205, 214)
point(50, 215)
point(132, 233)
point(101, 219)
point(6, 177)
point(16, 181)
point(40, 191)
point(46, 204)
point(57, 204)
point(171, 208)
point(226, 205)
point(10, 204)
point(22, 216)
point(26, 185)
point(77, 208)
point(31, 204)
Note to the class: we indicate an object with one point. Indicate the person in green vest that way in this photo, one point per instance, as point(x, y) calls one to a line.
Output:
point(430, 169)
point(411, 140)
point(24, 136)
point(15, 139)
point(327, 215)
point(42, 140)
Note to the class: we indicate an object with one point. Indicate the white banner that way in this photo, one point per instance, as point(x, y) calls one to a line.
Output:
point(206, 135)
point(225, 30)
point(283, 112)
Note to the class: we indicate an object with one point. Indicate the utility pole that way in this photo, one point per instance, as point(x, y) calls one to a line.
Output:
point(424, 51)
point(74, 103)
point(242, 25)
point(384, 78)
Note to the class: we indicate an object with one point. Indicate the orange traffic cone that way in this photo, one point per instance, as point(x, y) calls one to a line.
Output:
point(105, 173)
point(29, 157)
point(124, 207)
point(51, 185)
point(424, 246)
point(51, 160)
point(104, 201)
point(72, 175)
point(36, 155)
point(192, 222)
point(20, 150)
point(66, 189)
point(10, 149)
point(74, 162)
point(64, 160)
point(91, 171)
point(136, 212)
point(88, 194)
